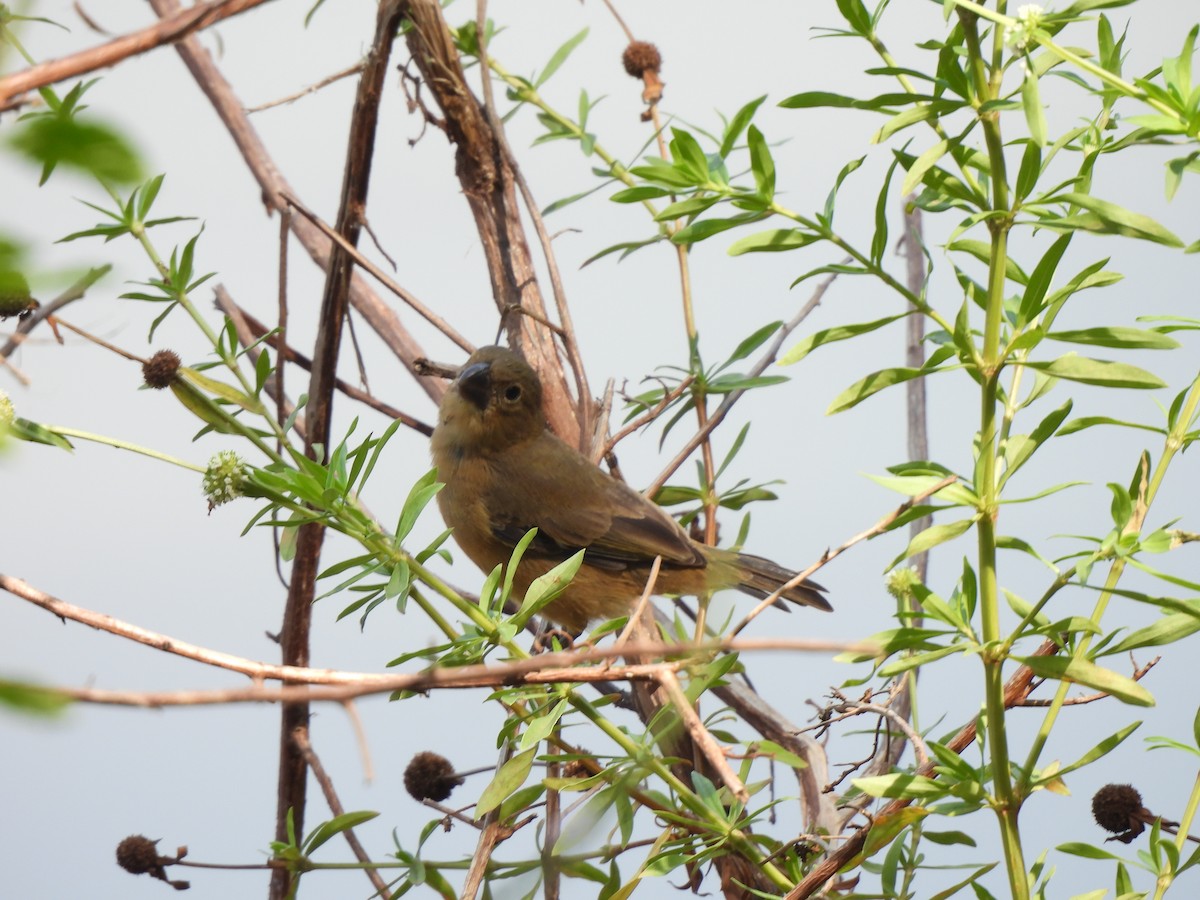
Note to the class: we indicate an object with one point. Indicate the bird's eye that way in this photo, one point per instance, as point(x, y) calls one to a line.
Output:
point(512, 393)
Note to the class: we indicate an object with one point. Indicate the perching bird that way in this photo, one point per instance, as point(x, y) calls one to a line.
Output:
point(506, 473)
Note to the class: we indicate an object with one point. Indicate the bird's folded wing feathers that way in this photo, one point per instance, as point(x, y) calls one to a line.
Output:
point(616, 525)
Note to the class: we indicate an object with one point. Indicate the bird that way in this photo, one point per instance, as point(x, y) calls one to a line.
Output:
point(505, 473)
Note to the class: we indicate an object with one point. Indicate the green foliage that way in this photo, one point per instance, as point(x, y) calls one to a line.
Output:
point(966, 139)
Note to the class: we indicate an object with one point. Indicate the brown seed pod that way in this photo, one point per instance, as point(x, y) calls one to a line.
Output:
point(160, 369)
point(1115, 806)
point(138, 855)
point(640, 56)
point(430, 777)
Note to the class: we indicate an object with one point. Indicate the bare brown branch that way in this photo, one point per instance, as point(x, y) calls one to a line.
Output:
point(168, 30)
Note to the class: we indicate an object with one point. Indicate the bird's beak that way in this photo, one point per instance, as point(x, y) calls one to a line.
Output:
point(475, 383)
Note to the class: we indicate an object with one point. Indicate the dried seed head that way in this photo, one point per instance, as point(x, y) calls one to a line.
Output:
point(430, 776)
point(160, 369)
point(1115, 805)
point(640, 56)
point(138, 855)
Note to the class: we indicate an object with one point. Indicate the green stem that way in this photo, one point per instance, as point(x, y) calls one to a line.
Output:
point(124, 445)
point(1005, 800)
point(1185, 826)
point(1175, 441)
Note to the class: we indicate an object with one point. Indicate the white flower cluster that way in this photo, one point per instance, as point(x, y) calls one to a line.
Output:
point(1029, 19)
point(226, 477)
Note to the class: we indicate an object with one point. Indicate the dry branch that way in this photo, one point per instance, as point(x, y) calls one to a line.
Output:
point(176, 26)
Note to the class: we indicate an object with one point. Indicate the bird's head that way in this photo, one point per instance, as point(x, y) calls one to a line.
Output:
point(494, 403)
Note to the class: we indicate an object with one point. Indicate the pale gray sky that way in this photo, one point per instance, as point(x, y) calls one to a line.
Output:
point(132, 539)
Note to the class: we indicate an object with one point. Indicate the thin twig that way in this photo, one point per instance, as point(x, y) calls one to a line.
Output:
point(647, 417)
point(640, 607)
point(702, 736)
point(100, 342)
point(311, 89)
point(260, 671)
point(300, 737)
point(733, 396)
point(488, 838)
point(878, 528)
point(918, 743)
point(616, 15)
point(360, 736)
point(256, 330)
point(382, 277)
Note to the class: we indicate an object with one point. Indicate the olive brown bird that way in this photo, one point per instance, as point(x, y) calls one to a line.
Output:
point(505, 472)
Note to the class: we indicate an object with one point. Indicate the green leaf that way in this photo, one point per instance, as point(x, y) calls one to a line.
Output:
point(812, 99)
point(692, 206)
point(1116, 336)
point(560, 57)
point(1087, 851)
point(547, 588)
point(898, 785)
point(24, 430)
point(1087, 673)
point(96, 149)
point(1103, 748)
point(687, 153)
point(1167, 630)
point(774, 240)
point(873, 384)
point(706, 228)
point(638, 194)
point(921, 165)
point(761, 164)
point(1090, 421)
point(222, 390)
point(1031, 168)
point(1019, 448)
point(540, 727)
point(1109, 218)
point(1098, 371)
point(1039, 281)
point(738, 124)
point(832, 335)
point(31, 698)
point(334, 827)
point(1031, 101)
point(912, 116)
point(510, 777)
point(983, 252)
point(753, 342)
point(931, 537)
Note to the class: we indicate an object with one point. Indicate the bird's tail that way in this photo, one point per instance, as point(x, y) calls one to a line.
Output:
point(760, 577)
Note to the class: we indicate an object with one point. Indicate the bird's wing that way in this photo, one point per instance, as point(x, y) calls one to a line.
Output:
point(576, 506)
